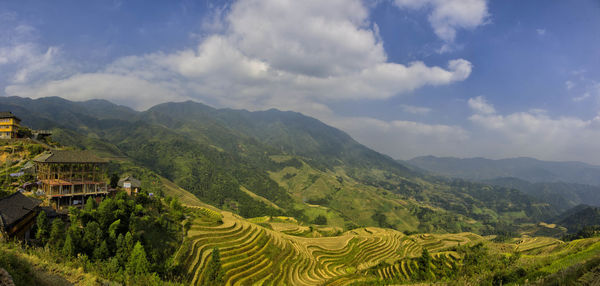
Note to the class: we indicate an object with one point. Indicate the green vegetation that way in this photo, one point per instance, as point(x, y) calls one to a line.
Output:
point(321, 208)
point(123, 239)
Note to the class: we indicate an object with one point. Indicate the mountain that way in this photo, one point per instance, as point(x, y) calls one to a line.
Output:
point(523, 168)
point(562, 195)
point(278, 163)
point(579, 217)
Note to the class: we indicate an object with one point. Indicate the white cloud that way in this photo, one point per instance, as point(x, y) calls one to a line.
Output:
point(569, 84)
point(22, 59)
point(447, 16)
point(292, 55)
point(582, 97)
point(315, 51)
point(480, 105)
point(541, 32)
point(535, 133)
point(415, 109)
point(129, 90)
point(405, 139)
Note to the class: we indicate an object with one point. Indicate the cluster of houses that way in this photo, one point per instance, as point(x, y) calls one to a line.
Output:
point(64, 178)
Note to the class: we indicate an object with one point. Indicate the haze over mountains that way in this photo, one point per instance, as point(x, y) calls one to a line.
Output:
point(524, 168)
point(562, 184)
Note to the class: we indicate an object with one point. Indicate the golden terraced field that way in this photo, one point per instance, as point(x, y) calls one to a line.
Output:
point(254, 255)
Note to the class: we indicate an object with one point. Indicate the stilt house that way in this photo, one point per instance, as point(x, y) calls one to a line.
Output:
point(70, 177)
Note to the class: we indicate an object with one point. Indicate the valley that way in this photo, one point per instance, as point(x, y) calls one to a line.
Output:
point(278, 198)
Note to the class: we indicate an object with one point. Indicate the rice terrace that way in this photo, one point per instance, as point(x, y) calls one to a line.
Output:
point(299, 142)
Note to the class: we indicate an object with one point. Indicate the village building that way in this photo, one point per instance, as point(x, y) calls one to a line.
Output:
point(17, 215)
point(130, 184)
point(9, 125)
point(70, 177)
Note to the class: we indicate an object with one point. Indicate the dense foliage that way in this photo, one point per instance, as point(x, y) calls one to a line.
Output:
point(122, 238)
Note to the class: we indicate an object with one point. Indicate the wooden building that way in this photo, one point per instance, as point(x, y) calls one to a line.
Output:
point(71, 177)
point(130, 184)
point(17, 215)
point(9, 125)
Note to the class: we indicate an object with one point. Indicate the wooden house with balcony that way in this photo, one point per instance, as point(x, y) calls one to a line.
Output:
point(70, 177)
point(9, 125)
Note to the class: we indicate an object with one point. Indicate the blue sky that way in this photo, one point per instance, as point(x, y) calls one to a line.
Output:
point(405, 77)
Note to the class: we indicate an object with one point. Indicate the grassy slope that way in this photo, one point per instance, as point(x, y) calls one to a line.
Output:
point(33, 269)
point(346, 199)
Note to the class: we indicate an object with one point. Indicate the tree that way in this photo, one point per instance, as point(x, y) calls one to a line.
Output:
point(68, 249)
point(381, 219)
point(214, 274)
point(90, 205)
point(57, 234)
point(320, 220)
point(43, 227)
point(101, 252)
point(90, 239)
point(113, 229)
point(138, 263)
point(424, 263)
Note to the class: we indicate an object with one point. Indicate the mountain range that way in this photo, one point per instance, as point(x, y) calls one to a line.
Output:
point(280, 163)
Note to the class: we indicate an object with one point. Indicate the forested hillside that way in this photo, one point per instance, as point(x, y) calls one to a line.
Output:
point(279, 163)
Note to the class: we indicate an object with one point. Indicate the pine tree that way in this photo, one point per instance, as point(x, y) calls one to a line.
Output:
point(90, 205)
point(89, 241)
point(43, 227)
point(57, 234)
point(138, 263)
point(113, 228)
point(425, 265)
point(128, 242)
point(101, 252)
point(68, 249)
point(122, 255)
point(214, 274)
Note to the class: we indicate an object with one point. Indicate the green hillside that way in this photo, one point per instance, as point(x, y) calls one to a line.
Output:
point(198, 244)
point(220, 154)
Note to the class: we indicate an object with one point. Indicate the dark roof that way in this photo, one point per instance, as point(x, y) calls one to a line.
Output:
point(135, 183)
point(8, 114)
point(68, 156)
point(15, 207)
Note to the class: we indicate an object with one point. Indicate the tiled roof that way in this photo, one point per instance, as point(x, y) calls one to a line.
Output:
point(8, 114)
point(69, 156)
point(135, 183)
point(16, 206)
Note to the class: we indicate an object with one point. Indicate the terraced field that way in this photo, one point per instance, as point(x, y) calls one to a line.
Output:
point(254, 255)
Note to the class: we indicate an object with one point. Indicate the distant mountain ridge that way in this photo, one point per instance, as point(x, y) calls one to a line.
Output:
point(528, 169)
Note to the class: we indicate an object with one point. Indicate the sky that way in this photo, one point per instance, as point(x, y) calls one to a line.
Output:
point(464, 78)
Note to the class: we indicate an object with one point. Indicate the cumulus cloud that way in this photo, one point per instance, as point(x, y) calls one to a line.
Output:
point(534, 133)
point(316, 51)
point(480, 105)
point(21, 56)
point(292, 55)
point(447, 16)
